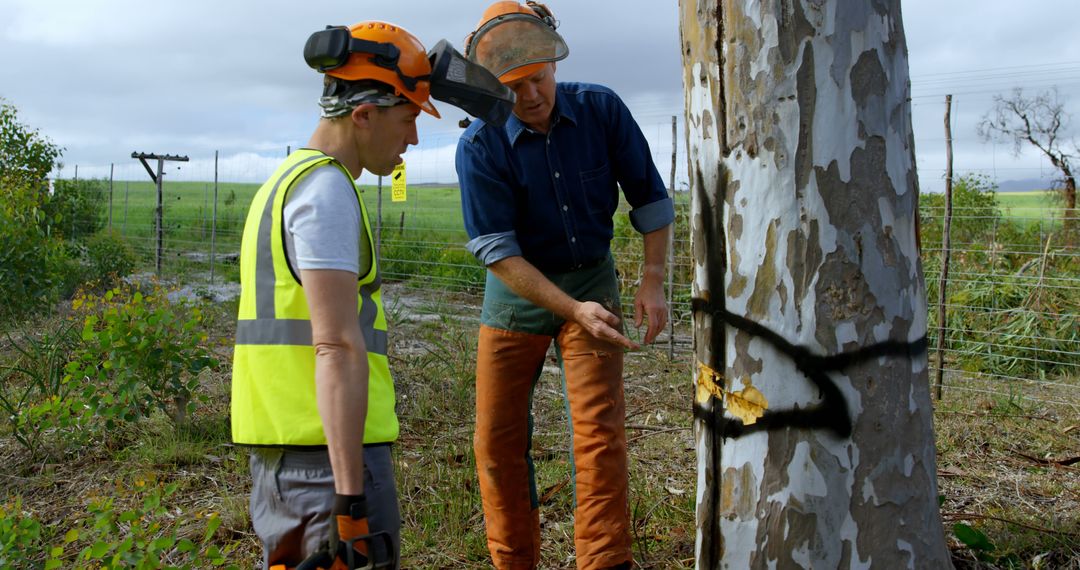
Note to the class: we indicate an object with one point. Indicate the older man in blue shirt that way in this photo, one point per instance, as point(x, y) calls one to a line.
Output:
point(538, 197)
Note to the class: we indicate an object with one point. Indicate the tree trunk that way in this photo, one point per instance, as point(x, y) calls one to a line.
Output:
point(1070, 200)
point(813, 419)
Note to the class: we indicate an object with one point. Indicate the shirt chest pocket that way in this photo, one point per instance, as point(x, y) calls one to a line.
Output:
point(598, 189)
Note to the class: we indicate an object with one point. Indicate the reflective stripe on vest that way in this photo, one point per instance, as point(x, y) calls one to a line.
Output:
point(273, 363)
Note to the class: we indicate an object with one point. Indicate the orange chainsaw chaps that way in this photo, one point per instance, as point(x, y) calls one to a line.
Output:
point(350, 528)
point(338, 565)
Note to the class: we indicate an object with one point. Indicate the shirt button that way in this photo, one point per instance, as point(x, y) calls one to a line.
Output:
point(565, 207)
point(573, 240)
point(556, 174)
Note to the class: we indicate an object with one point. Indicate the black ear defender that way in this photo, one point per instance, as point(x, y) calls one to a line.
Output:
point(543, 13)
point(330, 49)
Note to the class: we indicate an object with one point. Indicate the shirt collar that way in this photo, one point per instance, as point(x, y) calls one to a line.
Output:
point(514, 127)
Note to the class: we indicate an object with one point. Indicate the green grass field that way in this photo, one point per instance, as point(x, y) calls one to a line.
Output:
point(1029, 206)
point(422, 236)
point(189, 208)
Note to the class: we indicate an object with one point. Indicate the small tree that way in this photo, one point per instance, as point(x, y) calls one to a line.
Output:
point(1040, 121)
point(30, 258)
point(25, 154)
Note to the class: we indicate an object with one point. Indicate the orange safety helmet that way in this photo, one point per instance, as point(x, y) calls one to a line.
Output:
point(526, 42)
point(408, 75)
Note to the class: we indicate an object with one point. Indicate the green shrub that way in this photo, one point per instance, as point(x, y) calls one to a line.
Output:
point(140, 353)
point(29, 255)
point(137, 537)
point(30, 260)
point(77, 208)
point(110, 256)
point(20, 537)
point(145, 536)
point(976, 222)
point(999, 326)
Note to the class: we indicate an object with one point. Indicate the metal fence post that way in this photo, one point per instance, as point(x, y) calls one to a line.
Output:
point(378, 225)
point(213, 223)
point(946, 253)
point(111, 165)
point(123, 228)
point(671, 245)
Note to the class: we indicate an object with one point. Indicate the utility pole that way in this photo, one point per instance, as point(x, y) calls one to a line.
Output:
point(159, 212)
point(813, 418)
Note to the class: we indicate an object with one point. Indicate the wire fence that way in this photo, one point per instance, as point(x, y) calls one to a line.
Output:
point(1012, 304)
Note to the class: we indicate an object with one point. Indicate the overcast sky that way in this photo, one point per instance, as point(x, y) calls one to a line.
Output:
point(103, 79)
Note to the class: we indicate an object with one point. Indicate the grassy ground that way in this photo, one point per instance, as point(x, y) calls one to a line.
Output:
point(996, 460)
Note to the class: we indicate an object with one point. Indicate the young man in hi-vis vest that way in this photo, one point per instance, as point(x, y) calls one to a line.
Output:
point(312, 393)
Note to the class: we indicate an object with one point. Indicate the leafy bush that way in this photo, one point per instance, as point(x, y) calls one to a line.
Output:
point(26, 156)
point(76, 209)
point(140, 353)
point(999, 326)
point(30, 259)
point(20, 537)
point(29, 256)
point(136, 538)
point(132, 538)
point(110, 255)
point(976, 218)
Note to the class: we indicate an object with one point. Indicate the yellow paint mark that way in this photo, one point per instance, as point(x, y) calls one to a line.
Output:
point(747, 404)
point(708, 384)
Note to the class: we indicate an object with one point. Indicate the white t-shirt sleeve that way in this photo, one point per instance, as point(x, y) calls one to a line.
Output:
point(323, 224)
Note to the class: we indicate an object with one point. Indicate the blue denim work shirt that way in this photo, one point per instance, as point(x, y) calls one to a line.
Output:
point(551, 198)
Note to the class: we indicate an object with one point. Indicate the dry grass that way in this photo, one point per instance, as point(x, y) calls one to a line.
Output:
point(995, 460)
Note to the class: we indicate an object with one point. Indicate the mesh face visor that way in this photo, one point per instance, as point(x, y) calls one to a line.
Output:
point(469, 86)
point(508, 42)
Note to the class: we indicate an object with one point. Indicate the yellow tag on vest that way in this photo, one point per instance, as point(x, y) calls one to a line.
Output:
point(397, 187)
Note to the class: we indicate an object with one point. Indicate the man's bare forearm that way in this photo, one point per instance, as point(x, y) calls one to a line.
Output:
point(341, 372)
point(529, 283)
point(656, 246)
point(342, 401)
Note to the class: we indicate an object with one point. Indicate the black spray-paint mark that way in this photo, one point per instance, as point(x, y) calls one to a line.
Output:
point(832, 412)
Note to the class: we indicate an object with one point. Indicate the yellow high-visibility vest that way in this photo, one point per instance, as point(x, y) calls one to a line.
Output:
point(273, 385)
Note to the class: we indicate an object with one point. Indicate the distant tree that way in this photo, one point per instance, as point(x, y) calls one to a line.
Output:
point(1042, 122)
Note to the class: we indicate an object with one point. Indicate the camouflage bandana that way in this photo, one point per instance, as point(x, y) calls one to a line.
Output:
point(338, 105)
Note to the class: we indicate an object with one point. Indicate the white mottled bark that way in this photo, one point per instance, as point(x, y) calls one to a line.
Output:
point(805, 242)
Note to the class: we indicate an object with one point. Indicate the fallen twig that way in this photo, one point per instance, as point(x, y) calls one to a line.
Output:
point(1041, 461)
point(960, 515)
point(550, 491)
point(644, 427)
point(648, 433)
point(992, 415)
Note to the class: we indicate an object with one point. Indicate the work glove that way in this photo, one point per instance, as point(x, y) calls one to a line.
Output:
point(349, 544)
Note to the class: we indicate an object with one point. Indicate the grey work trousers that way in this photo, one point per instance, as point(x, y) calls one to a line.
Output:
point(292, 493)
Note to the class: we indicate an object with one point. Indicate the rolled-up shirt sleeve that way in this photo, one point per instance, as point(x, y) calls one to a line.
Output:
point(487, 202)
point(653, 216)
point(651, 208)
